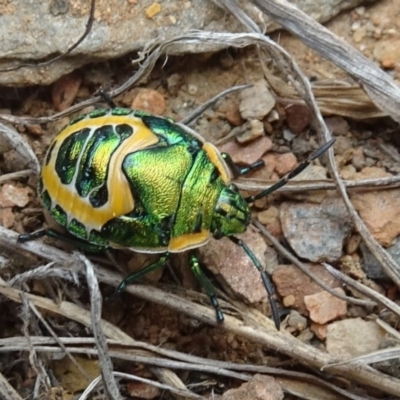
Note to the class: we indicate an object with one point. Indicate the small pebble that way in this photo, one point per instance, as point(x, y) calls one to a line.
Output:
point(153, 10)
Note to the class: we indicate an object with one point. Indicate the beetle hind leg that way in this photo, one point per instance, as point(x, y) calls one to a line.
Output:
point(207, 286)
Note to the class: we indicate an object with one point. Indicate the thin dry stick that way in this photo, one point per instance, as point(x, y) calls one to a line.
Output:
point(289, 256)
point(204, 366)
point(20, 146)
point(302, 186)
point(35, 362)
point(259, 333)
point(379, 85)
point(56, 338)
point(120, 338)
point(385, 93)
point(262, 332)
point(304, 88)
point(180, 392)
point(191, 117)
point(101, 343)
point(374, 357)
point(16, 175)
point(7, 391)
point(372, 294)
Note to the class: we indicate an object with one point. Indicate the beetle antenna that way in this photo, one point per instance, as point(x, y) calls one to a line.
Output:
point(265, 278)
point(284, 180)
point(107, 98)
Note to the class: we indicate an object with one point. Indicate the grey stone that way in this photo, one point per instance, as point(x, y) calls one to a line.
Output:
point(39, 30)
point(316, 231)
point(370, 264)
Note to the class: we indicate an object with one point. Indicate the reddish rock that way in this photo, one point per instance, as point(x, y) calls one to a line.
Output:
point(380, 212)
point(260, 387)
point(228, 260)
point(149, 100)
point(298, 117)
point(6, 217)
point(324, 307)
point(141, 390)
point(285, 163)
point(250, 153)
point(232, 114)
point(319, 331)
point(35, 130)
point(290, 281)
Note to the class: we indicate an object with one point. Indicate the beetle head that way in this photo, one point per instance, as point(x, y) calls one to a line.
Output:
point(231, 215)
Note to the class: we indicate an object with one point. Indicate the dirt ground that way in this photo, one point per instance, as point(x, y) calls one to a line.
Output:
point(175, 88)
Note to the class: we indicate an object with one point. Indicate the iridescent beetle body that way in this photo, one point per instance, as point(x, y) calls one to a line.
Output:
point(121, 178)
point(126, 178)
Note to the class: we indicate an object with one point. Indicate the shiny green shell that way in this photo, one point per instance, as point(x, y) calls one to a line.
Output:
point(125, 178)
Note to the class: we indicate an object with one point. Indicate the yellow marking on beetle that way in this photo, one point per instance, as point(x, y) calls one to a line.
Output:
point(97, 122)
point(120, 199)
point(215, 157)
point(188, 241)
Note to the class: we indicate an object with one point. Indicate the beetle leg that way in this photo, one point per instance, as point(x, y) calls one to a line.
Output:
point(27, 237)
point(144, 271)
point(81, 244)
point(237, 170)
point(265, 278)
point(207, 286)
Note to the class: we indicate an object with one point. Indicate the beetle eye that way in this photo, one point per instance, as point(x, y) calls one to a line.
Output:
point(233, 188)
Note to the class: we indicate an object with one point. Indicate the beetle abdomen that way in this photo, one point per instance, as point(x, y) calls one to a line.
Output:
point(124, 178)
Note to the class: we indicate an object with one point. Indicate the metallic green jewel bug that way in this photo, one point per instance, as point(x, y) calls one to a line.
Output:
point(125, 178)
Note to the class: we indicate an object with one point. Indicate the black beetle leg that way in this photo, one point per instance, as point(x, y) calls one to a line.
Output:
point(207, 286)
point(265, 278)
